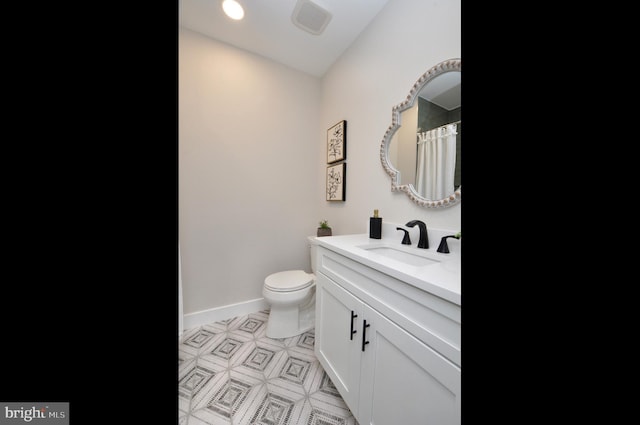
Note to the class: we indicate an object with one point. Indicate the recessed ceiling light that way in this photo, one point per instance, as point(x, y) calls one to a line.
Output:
point(233, 9)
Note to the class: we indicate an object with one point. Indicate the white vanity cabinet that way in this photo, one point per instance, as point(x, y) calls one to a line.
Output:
point(392, 350)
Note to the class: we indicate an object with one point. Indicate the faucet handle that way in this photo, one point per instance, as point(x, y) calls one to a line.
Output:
point(444, 247)
point(406, 240)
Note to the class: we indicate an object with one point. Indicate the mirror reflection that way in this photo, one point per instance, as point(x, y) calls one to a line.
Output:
point(427, 143)
point(422, 148)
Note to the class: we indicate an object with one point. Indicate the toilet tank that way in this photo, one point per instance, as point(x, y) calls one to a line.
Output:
point(313, 247)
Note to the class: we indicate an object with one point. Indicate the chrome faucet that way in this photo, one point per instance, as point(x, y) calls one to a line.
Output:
point(424, 238)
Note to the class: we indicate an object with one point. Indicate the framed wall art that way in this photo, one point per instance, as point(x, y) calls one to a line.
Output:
point(337, 142)
point(336, 182)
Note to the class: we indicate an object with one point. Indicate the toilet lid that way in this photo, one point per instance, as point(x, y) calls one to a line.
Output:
point(289, 280)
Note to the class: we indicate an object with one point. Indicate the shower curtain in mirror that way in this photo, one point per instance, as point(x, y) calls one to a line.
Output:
point(436, 162)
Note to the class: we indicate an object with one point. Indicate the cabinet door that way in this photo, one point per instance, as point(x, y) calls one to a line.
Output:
point(336, 347)
point(403, 381)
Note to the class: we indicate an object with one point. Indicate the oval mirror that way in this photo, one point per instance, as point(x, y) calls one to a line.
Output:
point(422, 156)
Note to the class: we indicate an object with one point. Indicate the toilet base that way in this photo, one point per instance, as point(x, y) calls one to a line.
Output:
point(278, 332)
point(285, 322)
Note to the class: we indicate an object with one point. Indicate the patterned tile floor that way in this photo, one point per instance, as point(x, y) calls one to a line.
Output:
point(231, 373)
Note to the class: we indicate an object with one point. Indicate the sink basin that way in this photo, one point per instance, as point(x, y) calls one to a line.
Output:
point(406, 255)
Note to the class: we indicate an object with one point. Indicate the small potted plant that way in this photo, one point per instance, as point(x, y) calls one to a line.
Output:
point(324, 229)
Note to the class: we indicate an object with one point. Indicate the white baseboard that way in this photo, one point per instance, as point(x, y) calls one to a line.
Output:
point(203, 317)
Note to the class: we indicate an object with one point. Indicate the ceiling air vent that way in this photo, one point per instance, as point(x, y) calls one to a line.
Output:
point(310, 17)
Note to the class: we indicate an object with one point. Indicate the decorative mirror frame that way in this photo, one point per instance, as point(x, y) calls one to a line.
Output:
point(441, 68)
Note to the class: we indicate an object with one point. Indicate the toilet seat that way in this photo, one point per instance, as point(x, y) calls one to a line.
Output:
point(290, 280)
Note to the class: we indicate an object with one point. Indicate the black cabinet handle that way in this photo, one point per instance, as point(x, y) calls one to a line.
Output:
point(353, 316)
point(364, 333)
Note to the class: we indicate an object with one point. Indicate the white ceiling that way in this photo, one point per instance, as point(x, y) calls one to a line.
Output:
point(444, 90)
point(267, 29)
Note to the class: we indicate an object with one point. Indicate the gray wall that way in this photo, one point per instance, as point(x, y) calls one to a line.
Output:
point(247, 141)
point(376, 73)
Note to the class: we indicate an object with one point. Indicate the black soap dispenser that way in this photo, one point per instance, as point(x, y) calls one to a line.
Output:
point(375, 226)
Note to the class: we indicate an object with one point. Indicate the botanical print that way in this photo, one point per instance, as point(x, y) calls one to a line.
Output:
point(335, 182)
point(336, 142)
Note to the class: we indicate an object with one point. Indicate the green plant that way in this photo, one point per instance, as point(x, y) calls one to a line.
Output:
point(324, 224)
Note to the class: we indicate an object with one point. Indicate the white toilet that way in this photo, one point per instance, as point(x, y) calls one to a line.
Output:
point(291, 295)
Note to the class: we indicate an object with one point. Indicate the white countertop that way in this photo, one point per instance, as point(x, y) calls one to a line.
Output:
point(442, 278)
